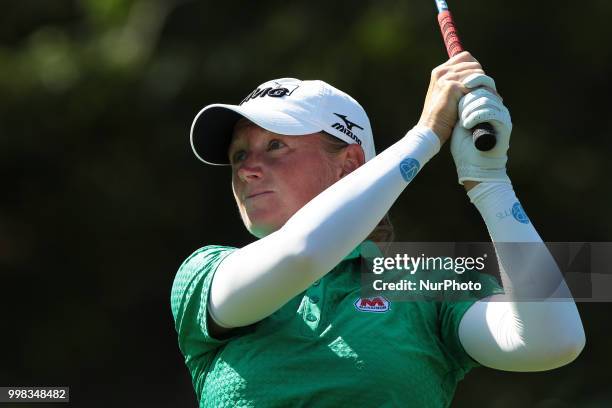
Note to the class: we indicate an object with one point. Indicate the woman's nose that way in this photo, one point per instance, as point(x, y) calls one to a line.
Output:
point(251, 168)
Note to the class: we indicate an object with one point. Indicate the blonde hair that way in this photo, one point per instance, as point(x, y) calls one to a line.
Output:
point(384, 231)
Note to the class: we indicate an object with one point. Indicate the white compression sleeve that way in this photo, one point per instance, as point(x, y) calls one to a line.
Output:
point(256, 280)
point(516, 334)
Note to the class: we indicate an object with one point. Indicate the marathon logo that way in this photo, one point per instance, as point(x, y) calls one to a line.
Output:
point(376, 304)
point(347, 127)
point(276, 92)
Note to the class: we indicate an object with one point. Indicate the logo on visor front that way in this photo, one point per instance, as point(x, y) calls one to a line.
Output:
point(277, 91)
point(347, 128)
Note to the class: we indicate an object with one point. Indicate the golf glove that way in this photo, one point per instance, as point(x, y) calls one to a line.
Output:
point(478, 106)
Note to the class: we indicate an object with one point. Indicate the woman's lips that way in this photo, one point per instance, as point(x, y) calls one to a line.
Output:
point(258, 194)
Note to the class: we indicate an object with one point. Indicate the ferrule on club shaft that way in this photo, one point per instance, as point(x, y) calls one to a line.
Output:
point(441, 4)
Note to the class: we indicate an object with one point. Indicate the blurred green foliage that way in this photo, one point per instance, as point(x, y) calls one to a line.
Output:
point(102, 198)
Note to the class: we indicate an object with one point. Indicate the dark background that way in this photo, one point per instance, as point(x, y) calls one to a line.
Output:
point(102, 197)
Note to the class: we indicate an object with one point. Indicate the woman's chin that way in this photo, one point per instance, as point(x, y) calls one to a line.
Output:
point(260, 231)
point(263, 221)
point(262, 227)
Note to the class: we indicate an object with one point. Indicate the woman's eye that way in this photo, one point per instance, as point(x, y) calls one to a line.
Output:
point(275, 144)
point(238, 156)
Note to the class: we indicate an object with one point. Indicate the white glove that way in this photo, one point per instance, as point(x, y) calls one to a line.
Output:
point(478, 106)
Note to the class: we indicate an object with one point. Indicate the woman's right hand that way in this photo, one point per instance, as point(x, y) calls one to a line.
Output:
point(445, 89)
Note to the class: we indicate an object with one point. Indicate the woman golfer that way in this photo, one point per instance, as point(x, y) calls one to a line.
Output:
point(280, 322)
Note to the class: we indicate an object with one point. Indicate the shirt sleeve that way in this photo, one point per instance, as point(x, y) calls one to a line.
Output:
point(450, 315)
point(189, 301)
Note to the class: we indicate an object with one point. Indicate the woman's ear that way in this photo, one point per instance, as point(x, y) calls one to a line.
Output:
point(352, 158)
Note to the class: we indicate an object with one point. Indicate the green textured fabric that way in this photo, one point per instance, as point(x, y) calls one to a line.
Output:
point(320, 349)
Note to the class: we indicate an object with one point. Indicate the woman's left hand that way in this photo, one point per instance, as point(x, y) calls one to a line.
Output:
point(483, 104)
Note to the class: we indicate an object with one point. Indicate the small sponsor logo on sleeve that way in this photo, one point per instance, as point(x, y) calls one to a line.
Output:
point(519, 214)
point(409, 168)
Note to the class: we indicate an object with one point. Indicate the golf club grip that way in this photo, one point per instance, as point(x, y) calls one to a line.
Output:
point(449, 33)
point(483, 134)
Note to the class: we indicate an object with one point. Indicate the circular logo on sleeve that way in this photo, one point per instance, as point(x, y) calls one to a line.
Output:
point(519, 214)
point(409, 168)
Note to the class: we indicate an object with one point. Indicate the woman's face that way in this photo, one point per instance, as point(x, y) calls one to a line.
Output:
point(274, 175)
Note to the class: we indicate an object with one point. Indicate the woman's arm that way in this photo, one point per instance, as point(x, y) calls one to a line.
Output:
point(507, 332)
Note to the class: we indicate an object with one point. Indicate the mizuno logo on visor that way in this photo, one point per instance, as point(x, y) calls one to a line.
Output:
point(347, 127)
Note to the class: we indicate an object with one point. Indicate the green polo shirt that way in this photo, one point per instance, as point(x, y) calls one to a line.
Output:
point(321, 349)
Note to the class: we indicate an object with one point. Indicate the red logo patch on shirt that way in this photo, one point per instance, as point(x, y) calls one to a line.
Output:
point(376, 304)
